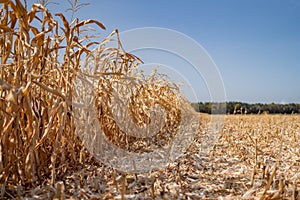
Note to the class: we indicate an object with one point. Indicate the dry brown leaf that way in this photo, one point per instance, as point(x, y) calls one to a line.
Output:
point(4, 1)
point(6, 29)
point(89, 21)
point(66, 23)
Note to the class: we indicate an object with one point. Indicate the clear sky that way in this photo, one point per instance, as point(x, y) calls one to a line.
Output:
point(255, 44)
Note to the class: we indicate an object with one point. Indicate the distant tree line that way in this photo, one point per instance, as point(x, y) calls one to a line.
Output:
point(246, 108)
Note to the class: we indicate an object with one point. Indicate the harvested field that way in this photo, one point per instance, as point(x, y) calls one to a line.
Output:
point(257, 157)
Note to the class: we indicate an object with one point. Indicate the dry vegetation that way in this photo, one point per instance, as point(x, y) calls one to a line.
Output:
point(41, 156)
point(257, 157)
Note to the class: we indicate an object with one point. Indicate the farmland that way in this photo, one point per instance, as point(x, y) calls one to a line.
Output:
point(256, 157)
point(54, 78)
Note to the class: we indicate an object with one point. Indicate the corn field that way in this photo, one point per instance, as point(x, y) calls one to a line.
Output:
point(49, 65)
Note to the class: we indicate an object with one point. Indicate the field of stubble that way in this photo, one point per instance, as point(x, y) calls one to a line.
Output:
point(256, 157)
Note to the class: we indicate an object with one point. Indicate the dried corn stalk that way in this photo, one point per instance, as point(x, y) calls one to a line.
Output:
point(42, 58)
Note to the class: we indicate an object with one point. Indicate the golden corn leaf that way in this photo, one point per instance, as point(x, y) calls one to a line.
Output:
point(66, 23)
point(39, 38)
point(34, 30)
point(6, 29)
point(21, 9)
point(90, 21)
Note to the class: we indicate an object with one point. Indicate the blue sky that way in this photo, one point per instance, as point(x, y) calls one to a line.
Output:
point(255, 44)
